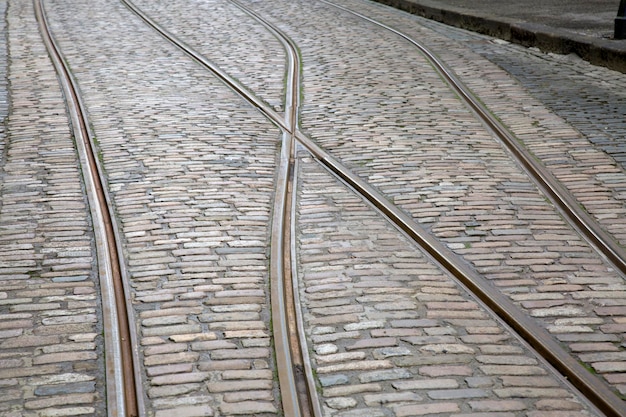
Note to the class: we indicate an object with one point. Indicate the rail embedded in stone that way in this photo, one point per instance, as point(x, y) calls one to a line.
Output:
point(591, 386)
point(123, 398)
point(298, 393)
point(596, 390)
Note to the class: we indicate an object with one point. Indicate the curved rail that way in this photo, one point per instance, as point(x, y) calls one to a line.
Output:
point(558, 194)
point(591, 386)
point(122, 392)
point(596, 390)
point(285, 281)
point(295, 375)
point(296, 384)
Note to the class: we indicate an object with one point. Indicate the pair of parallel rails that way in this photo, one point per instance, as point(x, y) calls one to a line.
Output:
point(297, 384)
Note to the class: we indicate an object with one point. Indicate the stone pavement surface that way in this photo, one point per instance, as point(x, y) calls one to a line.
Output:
point(451, 176)
point(51, 350)
point(394, 336)
point(190, 170)
point(580, 26)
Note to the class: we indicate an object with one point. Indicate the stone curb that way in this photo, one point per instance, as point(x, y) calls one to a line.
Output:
point(603, 52)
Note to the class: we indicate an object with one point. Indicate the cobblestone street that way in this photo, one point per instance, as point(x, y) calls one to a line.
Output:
point(192, 168)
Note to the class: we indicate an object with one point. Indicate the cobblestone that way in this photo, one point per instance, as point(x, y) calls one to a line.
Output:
point(450, 176)
point(441, 365)
point(49, 289)
point(192, 194)
point(190, 168)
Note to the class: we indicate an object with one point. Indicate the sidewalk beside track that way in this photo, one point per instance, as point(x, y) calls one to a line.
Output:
point(583, 27)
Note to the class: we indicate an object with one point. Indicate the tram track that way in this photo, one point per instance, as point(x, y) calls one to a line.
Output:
point(595, 389)
point(591, 386)
point(294, 374)
point(538, 337)
point(295, 387)
point(121, 371)
point(544, 343)
point(550, 186)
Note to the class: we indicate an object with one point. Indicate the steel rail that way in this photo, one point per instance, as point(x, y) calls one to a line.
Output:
point(287, 360)
point(595, 389)
point(303, 373)
point(300, 370)
point(120, 369)
point(298, 394)
point(293, 69)
point(558, 194)
point(308, 369)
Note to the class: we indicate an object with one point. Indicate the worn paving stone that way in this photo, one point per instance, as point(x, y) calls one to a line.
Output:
point(191, 170)
point(49, 284)
point(442, 365)
point(455, 188)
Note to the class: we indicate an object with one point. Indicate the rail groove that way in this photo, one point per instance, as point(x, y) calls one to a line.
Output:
point(121, 373)
point(551, 187)
point(298, 392)
point(591, 386)
point(596, 390)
